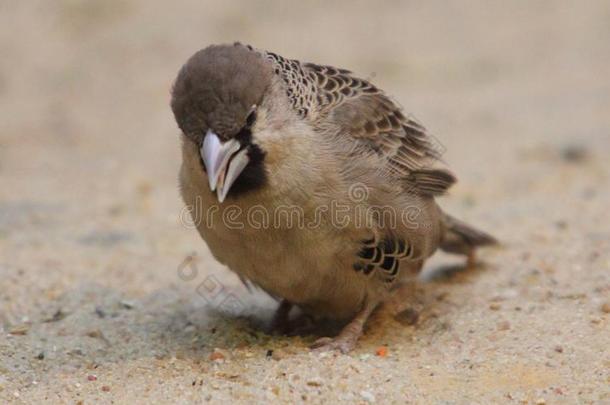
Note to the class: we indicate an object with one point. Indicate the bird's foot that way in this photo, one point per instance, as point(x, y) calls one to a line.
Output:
point(343, 343)
point(346, 340)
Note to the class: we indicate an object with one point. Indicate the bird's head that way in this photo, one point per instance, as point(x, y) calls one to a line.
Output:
point(216, 100)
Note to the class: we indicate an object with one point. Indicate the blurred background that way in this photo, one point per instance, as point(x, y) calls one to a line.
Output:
point(517, 92)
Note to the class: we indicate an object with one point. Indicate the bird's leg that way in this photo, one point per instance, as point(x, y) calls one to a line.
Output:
point(404, 298)
point(281, 321)
point(346, 340)
point(471, 259)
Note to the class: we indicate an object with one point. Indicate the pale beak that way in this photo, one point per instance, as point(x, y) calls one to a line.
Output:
point(224, 162)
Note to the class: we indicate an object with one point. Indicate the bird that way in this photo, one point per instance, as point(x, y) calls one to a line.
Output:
point(317, 188)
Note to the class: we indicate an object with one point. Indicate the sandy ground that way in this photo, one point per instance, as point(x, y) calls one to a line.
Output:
point(98, 306)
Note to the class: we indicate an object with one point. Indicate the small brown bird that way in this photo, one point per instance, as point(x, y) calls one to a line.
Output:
point(314, 185)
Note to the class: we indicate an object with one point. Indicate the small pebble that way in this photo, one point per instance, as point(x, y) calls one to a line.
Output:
point(57, 316)
point(407, 317)
point(559, 349)
point(605, 308)
point(217, 355)
point(76, 352)
point(561, 224)
point(504, 325)
point(574, 153)
point(91, 377)
point(105, 388)
point(367, 396)
point(315, 383)
point(278, 354)
point(19, 330)
point(127, 304)
point(40, 356)
point(96, 334)
point(540, 401)
point(442, 296)
point(494, 306)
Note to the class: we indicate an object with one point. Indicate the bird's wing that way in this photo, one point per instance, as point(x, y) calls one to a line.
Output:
point(336, 101)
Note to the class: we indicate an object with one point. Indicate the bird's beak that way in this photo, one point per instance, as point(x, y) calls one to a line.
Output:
point(224, 162)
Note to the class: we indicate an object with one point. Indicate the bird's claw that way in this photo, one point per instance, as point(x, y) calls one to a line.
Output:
point(344, 344)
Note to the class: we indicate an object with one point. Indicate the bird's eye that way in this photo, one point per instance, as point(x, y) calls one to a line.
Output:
point(251, 118)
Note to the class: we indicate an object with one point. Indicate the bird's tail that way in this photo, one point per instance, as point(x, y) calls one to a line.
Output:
point(461, 238)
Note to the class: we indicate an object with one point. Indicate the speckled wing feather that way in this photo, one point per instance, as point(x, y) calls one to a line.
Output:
point(382, 258)
point(337, 102)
